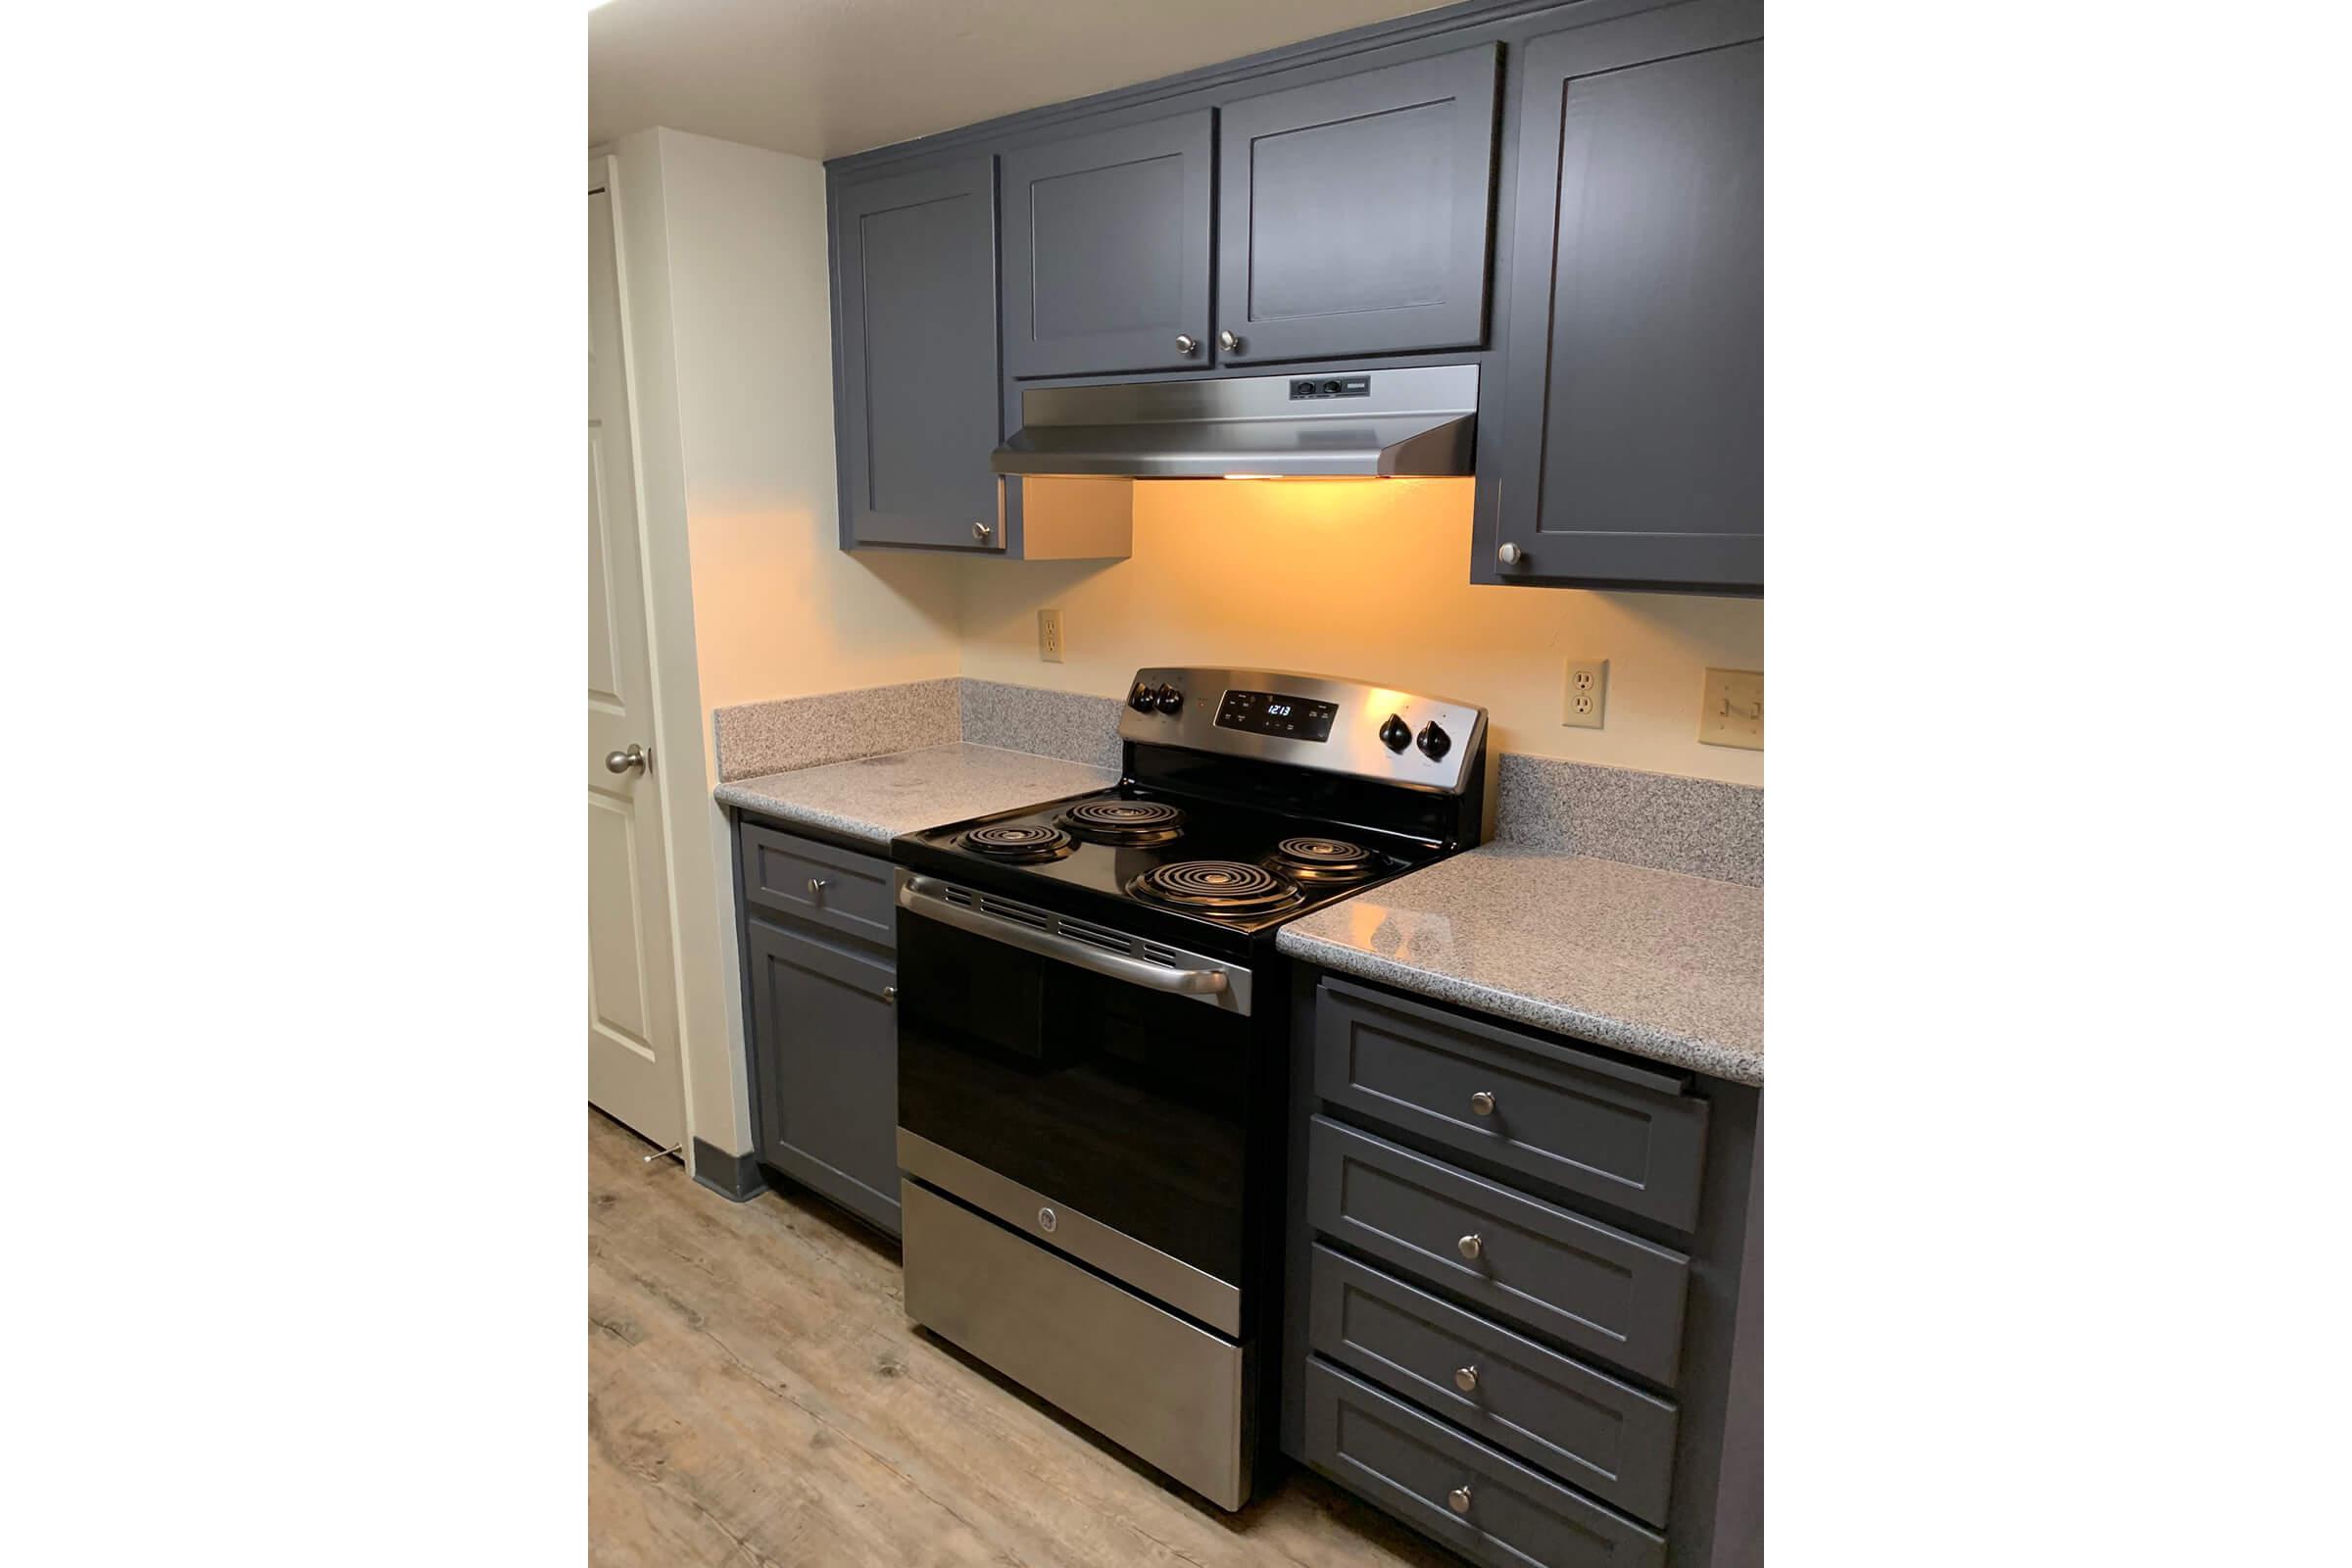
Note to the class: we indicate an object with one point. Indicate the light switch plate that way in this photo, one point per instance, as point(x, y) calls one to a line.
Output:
point(1049, 636)
point(1730, 709)
point(1585, 702)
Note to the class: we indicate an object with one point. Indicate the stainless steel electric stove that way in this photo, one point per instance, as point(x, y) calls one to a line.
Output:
point(1093, 1043)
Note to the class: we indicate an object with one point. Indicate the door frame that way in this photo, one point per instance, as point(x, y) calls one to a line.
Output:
point(604, 173)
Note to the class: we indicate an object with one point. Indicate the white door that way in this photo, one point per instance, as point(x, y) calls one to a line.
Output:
point(632, 990)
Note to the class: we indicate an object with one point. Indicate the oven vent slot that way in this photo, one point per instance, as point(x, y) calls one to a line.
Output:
point(1007, 909)
point(1100, 936)
point(1158, 954)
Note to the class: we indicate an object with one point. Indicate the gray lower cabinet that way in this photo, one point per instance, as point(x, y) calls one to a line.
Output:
point(1355, 212)
point(916, 409)
point(824, 1038)
point(1476, 1499)
point(1549, 1268)
point(1523, 1285)
point(1106, 240)
point(1577, 1421)
point(1633, 443)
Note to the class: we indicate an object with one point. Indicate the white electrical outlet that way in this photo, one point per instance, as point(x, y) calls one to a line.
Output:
point(1730, 709)
point(1586, 700)
point(1049, 636)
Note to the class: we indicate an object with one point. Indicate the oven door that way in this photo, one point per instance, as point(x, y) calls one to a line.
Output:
point(1095, 1100)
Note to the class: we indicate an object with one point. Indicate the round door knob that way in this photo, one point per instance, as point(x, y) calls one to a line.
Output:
point(981, 530)
point(1481, 1104)
point(1470, 1246)
point(1458, 1500)
point(1185, 343)
point(621, 762)
point(1465, 1378)
point(1228, 342)
point(1510, 555)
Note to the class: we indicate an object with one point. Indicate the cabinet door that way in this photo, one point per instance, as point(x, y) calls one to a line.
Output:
point(825, 1028)
point(1634, 449)
point(1107, 251)
point(914, 260)
point(1355, 213)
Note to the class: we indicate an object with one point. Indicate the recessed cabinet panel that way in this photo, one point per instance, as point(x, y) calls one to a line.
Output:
point(1355, 214)
point(914, 266)
point(1634, 445)
point(1107, 251)
point(825, 1026)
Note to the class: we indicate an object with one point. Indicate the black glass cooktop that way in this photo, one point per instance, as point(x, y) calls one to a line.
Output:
point(1212, 865)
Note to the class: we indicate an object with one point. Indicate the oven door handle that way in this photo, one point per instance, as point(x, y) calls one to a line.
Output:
point(1211, 982)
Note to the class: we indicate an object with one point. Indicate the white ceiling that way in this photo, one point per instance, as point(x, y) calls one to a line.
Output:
point(824, 78)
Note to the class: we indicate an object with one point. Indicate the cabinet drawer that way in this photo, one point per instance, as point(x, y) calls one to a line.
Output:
point(1413, 1465)
point(1581, 1282)
point(1608, 1437)
point(838, 888)
point(1584, 1124)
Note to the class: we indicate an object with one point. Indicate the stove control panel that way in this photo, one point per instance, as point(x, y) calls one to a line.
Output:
point(1333, 726)
point(1277, 713)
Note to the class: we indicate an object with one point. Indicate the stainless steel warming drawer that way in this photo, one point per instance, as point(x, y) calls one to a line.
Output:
point(1165, 1390)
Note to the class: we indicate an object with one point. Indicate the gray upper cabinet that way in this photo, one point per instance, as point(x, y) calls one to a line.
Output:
point(1634, 445)
point(916, 414)
point(1355, 214)
point(1106, 250)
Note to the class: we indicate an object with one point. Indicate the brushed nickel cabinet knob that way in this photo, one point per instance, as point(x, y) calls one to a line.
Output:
point(817, 887)
point(1481, 1104)
point(981, 531)
point(1510, 555)
point(1186, 344)
point(1465, 1378)
point(1228, 342)
point(1458, 1500)
point(1470, 1246)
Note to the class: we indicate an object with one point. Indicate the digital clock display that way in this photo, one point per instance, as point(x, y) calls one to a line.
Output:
point(1296, 719)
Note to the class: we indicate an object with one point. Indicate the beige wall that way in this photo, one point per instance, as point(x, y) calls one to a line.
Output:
point(779, 609)
point(730, 322)
point(1366, 578)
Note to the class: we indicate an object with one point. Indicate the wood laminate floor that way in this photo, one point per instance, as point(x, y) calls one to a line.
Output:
point(755, 1394)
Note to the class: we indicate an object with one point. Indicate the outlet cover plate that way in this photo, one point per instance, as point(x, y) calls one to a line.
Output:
point(1585, 696)
point(1049, 636)
point(1730, 710)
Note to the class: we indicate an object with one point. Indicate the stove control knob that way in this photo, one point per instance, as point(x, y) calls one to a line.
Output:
point(1395, 734)
point(1433, 740)
point(1142, 698)
point(1170, 699)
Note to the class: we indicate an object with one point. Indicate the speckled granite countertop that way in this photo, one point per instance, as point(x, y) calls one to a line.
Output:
point(877, 798)
point(1654, 963)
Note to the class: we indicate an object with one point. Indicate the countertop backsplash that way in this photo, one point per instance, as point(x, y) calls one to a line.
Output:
point(1700, 827)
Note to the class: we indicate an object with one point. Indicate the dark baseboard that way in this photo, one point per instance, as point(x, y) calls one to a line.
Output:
point(733, 1176)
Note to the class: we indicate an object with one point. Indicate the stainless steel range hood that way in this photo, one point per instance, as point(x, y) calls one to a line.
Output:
point(1418, 421)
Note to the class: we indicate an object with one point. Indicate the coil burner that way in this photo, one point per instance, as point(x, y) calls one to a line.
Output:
point(1015, 841)
point(1215, 887)
point(1311, 858)
point(1125, 821)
